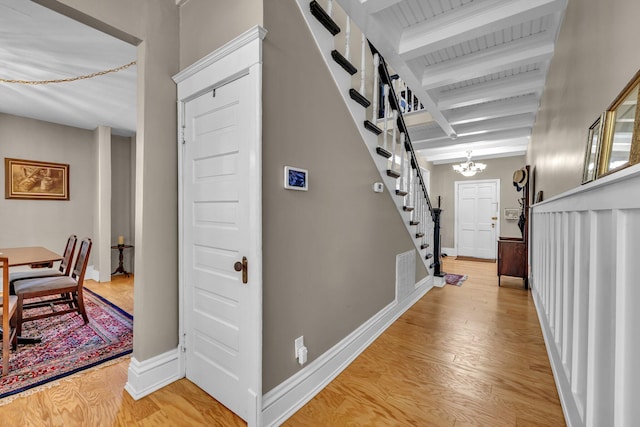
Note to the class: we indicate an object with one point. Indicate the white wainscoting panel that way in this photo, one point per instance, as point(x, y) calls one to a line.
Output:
point(585, 279)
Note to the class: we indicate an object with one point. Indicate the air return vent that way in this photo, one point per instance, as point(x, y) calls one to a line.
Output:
point(405, 274)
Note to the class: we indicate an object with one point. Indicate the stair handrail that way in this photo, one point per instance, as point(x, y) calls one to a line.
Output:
point(393, 99)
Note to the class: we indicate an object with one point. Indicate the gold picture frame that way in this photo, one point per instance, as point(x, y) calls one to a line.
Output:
point(621, 135)
point(32, 179)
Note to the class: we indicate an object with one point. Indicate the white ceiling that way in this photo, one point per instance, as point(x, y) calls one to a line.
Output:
point(39, 44)
point(478, 67)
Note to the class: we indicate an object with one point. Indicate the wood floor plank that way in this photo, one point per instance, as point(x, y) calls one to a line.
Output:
point(461, 356)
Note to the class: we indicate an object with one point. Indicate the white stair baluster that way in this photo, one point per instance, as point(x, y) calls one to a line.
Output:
point(347, 41)
point(401, 181)
point(408, 172)
point(376, 89)
point(423, 206)
point(329, 7)
point(385, 95)
point(394, 140)
point(414, 194)
point(362, 64)
point(412, 100)
point(409, 196)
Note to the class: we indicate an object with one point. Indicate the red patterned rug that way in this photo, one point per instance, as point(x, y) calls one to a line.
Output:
point(68, 345)
point(454, 279)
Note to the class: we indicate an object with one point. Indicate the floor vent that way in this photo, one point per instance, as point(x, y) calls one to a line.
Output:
point(405, 274)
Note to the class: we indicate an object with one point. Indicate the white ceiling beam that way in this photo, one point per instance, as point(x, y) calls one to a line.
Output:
point(519, 84)
point(471, 21)
point(492, 110)
point(492, 153)
point(515, 146)
point(530, 50)
point(502, 135)
point(441, 152)
point(491, 125)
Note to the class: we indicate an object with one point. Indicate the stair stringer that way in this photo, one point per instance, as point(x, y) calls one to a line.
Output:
point(325, 42)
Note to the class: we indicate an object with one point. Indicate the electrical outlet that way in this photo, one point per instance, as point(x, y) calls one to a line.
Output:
point(299, 343)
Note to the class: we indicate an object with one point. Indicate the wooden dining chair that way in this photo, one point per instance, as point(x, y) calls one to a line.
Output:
point(63, 270)
point(64, 290)
point(8, 311)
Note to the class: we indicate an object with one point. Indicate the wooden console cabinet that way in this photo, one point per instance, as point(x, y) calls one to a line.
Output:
point(513, 252)
point(512, 259)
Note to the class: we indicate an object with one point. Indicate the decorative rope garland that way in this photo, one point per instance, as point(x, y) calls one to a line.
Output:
point(70, 79)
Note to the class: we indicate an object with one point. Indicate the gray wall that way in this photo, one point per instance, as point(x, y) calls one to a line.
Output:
point(443, 179)
point(595, 57)
point(329, 253)
point(206, 25)
point(48, 223)
point(156, 24)
point(123, 198)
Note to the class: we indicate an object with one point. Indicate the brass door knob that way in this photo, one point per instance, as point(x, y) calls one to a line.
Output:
point(244, 267)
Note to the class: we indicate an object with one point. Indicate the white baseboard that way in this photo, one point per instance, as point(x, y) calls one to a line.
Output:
point(92, 274)
point(449, 251)
point(283, 401)
point(153, 374)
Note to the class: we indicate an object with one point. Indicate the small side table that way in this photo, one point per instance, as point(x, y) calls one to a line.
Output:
point(120, 268)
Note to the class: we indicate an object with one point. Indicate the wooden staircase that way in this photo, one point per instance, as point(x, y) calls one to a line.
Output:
point(389, 143)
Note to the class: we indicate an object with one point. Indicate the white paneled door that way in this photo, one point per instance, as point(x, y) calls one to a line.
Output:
point(476, 216)
point(221, 266)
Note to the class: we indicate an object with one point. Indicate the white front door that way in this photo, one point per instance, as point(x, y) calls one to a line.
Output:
point(477, 218)
point(221, 225)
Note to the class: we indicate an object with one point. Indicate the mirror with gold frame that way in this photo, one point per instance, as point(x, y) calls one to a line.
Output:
point(621, 139)
point(593, 150)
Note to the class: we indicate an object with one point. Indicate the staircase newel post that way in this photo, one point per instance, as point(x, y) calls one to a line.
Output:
point(436, 243)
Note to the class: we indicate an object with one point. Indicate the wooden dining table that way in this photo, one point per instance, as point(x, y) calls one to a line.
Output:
point(29, 255)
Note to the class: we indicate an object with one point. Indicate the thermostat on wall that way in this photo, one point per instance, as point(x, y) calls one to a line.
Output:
point(296, 178)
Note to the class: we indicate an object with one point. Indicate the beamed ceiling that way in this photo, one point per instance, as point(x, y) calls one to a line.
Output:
point(478, 67)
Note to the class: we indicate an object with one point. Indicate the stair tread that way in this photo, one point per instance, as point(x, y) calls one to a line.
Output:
point(384, 153)
point(414, 222)
point(324, 18)
point(419, 235)
point(424, 246)
point(359, 98)
point(401, 193)
point(393, 174)
point(343, 62)
point(372, 127)
point(407, 208)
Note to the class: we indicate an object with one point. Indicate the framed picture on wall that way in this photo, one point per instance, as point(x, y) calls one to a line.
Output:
point(621, 133)
point(296, 178)
point(32, 179)
point(592, 156)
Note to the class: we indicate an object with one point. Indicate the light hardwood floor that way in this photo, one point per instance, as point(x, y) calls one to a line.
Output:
point(469, 355)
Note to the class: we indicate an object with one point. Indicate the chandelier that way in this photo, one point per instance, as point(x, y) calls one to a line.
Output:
point(469, 168)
